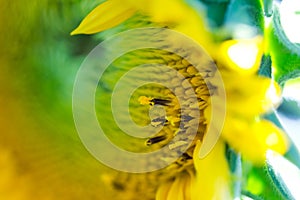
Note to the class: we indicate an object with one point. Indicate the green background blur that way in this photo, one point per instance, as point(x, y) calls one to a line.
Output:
point(41, 156)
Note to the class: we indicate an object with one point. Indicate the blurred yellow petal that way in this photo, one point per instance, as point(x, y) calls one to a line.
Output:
point(12, 179)
point(157, 9)
point(107, 15)
point(212, 174)
point(163, 190)
point(254, 139)
point(178, 189)
point(261, 94)
point(182, 17)
point(179, 16)
point(242, 55)
point(189, 182)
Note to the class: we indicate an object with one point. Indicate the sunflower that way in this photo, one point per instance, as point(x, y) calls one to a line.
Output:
point(194, 174)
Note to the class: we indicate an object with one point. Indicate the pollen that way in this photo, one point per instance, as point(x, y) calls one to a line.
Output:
point(145, 100)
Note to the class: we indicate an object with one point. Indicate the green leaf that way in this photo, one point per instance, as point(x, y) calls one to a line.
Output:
point(216, 10)
point(256, 183)
point(248, 196)
point(244, 18)
point(293, 152)
point(268, 7)
point(285, 54)
point(235, 165)
point(290, 108)
point(216, 1)
point(265, 68)
point(284, 175)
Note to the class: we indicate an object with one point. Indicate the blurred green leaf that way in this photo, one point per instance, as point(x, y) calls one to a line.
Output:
point(265, 68)
point(289, 115)
point(268, 7)
point(216, 1)
point(256, 183)
point(284, 174)
point(285, 55)
point(245, 18)
point(290, 108)
point(249, 196)
point(235, 165)
point(293, 154)
point(216, 10)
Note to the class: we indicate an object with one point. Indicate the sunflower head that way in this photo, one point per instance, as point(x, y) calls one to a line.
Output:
point(221, 95)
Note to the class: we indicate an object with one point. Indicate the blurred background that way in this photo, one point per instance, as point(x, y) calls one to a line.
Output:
point(41, 156)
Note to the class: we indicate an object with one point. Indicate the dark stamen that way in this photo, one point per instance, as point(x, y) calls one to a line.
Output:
point(183, 158)
point(118, 186)
point(186, 156)
point(160, 119)
point(162, 102)
point(186, 118)
point(154, 140)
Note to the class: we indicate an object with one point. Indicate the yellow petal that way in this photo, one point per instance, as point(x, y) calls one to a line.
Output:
point(242, 55)
point(163, 190)
point(253, 139)
point(260, 94)
point(107, 15)
point(179, 16)
point(212, 174)
point(247, 95)
point(176, 191)
point(188, 187)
